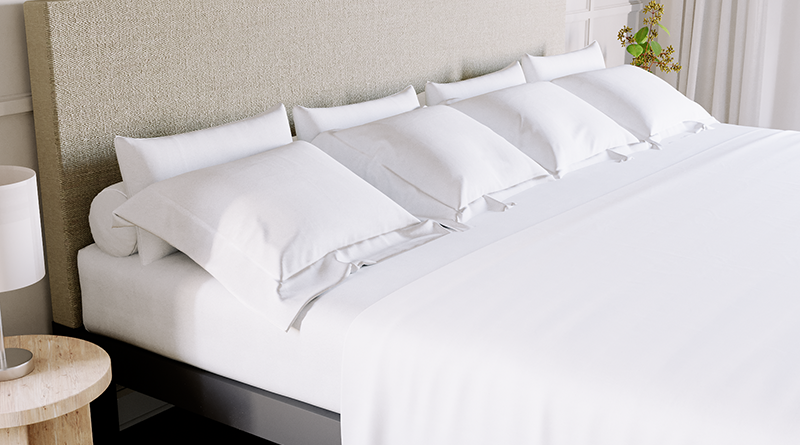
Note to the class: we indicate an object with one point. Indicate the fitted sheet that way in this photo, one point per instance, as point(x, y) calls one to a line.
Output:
point(174, 308)
point(663, 313)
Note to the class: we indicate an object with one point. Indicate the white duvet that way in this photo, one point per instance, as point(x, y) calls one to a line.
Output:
point(665, 312)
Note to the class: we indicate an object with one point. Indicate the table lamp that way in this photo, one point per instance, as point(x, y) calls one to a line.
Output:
point(21, 254)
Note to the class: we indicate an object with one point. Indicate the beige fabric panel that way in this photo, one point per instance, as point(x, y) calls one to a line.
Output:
point(154, 67)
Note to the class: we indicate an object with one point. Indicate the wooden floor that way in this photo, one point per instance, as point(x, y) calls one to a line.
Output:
point(176, 426)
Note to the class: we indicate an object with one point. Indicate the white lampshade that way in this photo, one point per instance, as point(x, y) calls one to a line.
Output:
point(21, 253)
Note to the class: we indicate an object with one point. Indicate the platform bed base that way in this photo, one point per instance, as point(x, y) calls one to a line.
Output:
point(264, 414)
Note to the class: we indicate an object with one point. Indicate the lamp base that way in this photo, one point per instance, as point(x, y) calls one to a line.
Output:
point(20, 364)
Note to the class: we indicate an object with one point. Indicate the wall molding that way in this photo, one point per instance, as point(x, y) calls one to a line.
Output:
point(605, 11)
point(600, 20)
point(18, 103)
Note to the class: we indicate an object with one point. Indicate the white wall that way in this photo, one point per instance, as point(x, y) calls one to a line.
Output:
point(27, 310)
point(601, 20)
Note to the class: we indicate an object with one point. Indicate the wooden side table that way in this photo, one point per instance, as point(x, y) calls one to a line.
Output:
point(51, 404)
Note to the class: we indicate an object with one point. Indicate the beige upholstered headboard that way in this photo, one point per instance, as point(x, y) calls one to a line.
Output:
point(153, 67)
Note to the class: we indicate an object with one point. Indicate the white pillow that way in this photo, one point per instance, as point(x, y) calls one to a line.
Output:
point(436, 162)
point(115, 241)
point(146, 161)
point(551, 125)
point(538, 68)
point(277, 228)
point(643, 103)
point(309, 122)
point(436, 93)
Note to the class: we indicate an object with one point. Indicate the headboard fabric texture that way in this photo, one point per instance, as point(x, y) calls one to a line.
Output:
point(143, 68)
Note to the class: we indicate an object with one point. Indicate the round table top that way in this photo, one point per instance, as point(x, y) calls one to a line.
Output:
point(68, 374)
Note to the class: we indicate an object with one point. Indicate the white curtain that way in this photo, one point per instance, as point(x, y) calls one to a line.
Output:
point(740, 60)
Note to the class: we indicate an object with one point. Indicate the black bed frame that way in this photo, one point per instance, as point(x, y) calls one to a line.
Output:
point(264, 414)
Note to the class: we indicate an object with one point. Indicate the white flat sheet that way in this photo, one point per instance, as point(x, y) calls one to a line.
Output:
point(173, 307)
point(663, 312)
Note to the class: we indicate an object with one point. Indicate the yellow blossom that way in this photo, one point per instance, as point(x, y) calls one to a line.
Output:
point(646, 51)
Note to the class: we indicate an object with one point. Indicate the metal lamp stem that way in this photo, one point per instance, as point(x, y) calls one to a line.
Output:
point(14, 362)
point(3, 360)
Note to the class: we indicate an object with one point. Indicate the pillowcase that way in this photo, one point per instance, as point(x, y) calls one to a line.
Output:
point(643, 103)
point(146, 161)
point(115, 241)
point(538, 68)
point(309, 122)
point(551, 125)
point(436, 93)
point(277, 228)
point(436, 162)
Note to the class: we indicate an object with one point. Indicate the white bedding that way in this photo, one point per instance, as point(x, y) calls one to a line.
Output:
point(179, 311)
point(666, 311)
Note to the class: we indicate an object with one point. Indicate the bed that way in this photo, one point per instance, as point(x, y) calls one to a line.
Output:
point(642, 291)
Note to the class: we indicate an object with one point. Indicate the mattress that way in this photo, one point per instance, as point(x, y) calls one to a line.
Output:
point(176, 309)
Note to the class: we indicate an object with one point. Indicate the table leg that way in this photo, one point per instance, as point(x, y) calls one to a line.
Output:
point(71, 428)
point(14, 436)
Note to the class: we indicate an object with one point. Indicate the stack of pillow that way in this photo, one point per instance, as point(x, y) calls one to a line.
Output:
point(278, 222)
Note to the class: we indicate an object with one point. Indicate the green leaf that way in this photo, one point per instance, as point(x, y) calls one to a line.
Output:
point(635, 49)
point(656, 47)
point(641, 36)
point(664, 28)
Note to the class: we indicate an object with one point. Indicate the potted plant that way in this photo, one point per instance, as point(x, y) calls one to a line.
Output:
point(646, 51)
